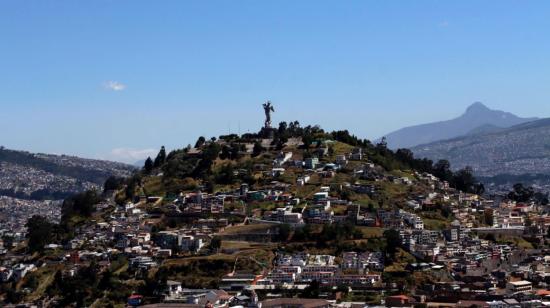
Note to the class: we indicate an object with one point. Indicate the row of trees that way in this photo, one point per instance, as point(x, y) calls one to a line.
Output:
point(336, 234)
point(82, 204)
point(462, 179)
point(522, 194)
point(328, 233)
point(149, 164)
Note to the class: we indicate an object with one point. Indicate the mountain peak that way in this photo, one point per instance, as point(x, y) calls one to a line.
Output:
point(477, 118)
point(477, 107)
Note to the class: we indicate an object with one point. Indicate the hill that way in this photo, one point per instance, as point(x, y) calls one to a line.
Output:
point(231, 206)
point(518, 150)
point(477, 118)
point(44, 176)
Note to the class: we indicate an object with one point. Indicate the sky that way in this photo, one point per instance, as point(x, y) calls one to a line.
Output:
point(118, 79)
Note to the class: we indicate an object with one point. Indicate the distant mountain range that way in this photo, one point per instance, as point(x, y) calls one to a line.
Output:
point(139, 163)
point(517, 150)
point(27, 175)
point(477, 119)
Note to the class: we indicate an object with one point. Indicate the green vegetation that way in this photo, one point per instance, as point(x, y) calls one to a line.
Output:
point(435, 224)
point(371, 232)
point(392, 243)
point(514, 240)
point(148, 166)
point(244, 229)
point(39, 232)
point(82, 204)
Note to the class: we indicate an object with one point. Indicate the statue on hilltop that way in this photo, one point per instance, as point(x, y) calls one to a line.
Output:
point(268, 109)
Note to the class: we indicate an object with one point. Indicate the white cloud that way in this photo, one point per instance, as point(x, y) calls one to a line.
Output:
point(114, 85)
point(131, 155)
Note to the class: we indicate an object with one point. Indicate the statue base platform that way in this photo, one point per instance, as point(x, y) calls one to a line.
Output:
point(267, 132)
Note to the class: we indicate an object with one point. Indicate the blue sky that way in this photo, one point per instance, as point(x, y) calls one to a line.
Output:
point(118, 79)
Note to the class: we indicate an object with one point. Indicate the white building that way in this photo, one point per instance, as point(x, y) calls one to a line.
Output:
point(522, 286)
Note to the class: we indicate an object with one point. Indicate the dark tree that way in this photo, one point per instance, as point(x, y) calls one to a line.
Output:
point(307, 140)
point(209, 186)
point(284, 232)
point(478, 188)
point(521, 193)
point(32, 282)
point(82, 204)
point(345, 137)
point(257, 150)
point(446, 211)
point(282, 131)
point(464, 180)
point(225, 152)
point(442, 170)
point(490, 237)
point(148, 166)
point(382, 146)
point(39, 233)
point(392, 242)
point(131, 186)
point(200, 142)
point(226, 174)
point(216, 243)
point(235, 152)
point(294, 129)
point(312, 291)
point(209, 154)
point(405, 155)
point(105, 282)
point(112, 183)
point(541, 198)
point(161, 158)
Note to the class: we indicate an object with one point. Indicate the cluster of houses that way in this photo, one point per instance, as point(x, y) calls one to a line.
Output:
point(477, 266)
point(15, 212)
point(303, 268)
point(458, 246)
point(24, 180)
point(15, 272)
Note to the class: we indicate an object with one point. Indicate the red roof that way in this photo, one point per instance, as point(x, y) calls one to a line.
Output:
point(399, 296)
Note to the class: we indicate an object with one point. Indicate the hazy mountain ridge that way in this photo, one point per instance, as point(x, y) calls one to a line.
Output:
point(46, 176)
point(521, 149)
point(477, 118)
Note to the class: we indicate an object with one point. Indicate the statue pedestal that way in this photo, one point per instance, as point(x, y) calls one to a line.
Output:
point(267, 132)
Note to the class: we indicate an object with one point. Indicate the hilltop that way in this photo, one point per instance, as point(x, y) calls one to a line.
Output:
point(220, 164)
point(477, 118)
